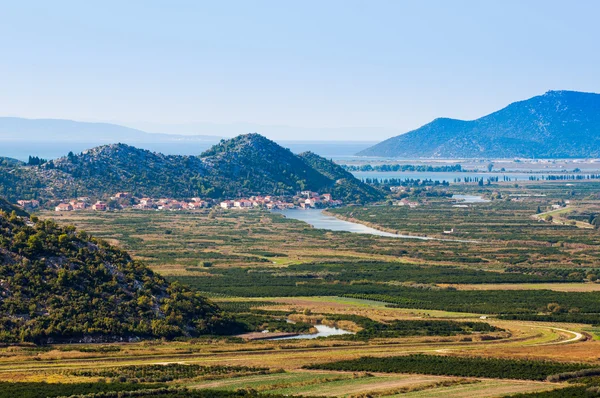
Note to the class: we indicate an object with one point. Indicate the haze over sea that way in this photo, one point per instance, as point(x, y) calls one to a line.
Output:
point(53, 150)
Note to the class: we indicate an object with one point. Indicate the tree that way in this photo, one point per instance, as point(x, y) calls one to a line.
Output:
point(554, 308)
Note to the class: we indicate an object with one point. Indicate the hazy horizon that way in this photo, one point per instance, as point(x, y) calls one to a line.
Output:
point(336, 70)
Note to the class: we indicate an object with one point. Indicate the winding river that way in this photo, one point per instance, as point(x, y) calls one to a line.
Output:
point(317, 219)
point(320, 220)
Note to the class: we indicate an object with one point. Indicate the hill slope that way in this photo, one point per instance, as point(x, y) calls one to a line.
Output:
point(58, 285)
point(345, 186)
point(9, 208)
point(558, 124)
point(245, 165)
point(252, 163)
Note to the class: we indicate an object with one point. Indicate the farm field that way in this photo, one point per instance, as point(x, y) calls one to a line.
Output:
point(524, 290)
point(559, 287)
point(278, 366)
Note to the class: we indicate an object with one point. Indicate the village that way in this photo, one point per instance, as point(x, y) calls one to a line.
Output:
point(125, 200)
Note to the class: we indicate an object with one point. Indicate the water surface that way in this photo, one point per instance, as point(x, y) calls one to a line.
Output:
point(322, 331)
point(470, 199)
point(318, 219)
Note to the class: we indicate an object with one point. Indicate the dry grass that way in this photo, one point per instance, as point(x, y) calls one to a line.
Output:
point(558, 287)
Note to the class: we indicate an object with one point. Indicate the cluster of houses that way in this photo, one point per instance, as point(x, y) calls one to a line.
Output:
point(124, 199)
point(406, 202)
point(81, 204)
point(170, 204)
point(29, 204)
point(305, 199)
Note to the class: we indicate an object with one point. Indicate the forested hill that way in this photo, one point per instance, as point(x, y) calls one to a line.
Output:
point(243, 166)
point(558, 124)
point(252, 163)
point(57, 284)
point(345, 185)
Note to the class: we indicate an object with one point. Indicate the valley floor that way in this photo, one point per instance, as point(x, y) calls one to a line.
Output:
point(523, 297)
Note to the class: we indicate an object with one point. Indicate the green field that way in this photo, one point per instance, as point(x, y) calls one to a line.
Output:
point(508, 310)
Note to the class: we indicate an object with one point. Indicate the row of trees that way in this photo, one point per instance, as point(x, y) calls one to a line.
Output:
point(404, 168)
point(456, 366)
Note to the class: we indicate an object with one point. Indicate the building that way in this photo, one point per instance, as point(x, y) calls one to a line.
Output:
point(122, 195)
point(242, 203)
point(29, 204)
point(227, 204)
point(197, 203)
point(142, 207)
point(63, 207)
point(146, 201)
point(327, 197)
point(173, 205)
point(312, 202)
point(406, 202)
point(99, 206)
point(309, 194)
point(78, 205)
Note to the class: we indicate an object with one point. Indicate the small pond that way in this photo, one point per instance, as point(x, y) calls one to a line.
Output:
point(322, 331)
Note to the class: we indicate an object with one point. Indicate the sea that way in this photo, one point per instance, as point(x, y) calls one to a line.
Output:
point(52, 150)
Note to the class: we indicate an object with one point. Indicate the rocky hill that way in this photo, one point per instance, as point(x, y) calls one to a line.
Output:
point(57, 284)
point(558, 124)
point(4, 161)
point(254, 164)
point(345, 186)
point(245, 165)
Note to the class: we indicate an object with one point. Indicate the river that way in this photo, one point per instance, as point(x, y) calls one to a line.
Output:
point(470, 199)
point(322, 331)
point(320, 220)
point(317, 219)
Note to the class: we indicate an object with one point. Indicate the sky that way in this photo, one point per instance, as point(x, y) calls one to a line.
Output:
point(294, 70)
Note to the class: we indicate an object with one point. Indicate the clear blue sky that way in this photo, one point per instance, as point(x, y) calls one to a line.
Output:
point(322, 64)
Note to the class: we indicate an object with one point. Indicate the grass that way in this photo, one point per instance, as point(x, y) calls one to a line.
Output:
point(558, 287)
point(486, 388)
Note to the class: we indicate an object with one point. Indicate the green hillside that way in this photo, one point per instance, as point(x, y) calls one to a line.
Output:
point(57, 284)
point(243, 166)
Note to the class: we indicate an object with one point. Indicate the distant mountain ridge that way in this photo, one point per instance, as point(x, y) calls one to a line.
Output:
point(558, 124)
point(243, 166)
point(22, 129)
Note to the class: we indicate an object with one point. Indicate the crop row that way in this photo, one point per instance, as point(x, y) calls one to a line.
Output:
point(455, 366)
